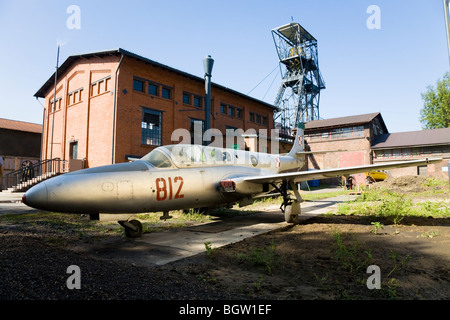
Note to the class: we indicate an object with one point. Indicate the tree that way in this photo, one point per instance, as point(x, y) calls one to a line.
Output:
point(436, 110)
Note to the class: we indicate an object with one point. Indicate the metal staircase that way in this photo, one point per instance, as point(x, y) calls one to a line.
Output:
point(31, 174)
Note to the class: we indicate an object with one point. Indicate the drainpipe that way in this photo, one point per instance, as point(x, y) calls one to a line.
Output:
point(114, 111)
point(42, 131)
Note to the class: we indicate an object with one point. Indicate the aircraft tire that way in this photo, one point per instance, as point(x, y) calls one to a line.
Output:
point(130, 233)
point(288, 216)
point(291, 212)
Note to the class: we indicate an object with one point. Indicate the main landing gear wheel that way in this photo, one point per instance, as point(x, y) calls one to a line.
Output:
point(133, 228)
point(290, 207)
point(291, 212)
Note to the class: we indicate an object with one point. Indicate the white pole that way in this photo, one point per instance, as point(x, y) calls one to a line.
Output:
point(54, 104)
point(446, 13)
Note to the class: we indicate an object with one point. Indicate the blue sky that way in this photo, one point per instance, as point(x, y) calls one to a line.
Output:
point(382, 70)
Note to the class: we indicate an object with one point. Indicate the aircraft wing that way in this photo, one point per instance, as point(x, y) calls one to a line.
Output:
point(335, 172)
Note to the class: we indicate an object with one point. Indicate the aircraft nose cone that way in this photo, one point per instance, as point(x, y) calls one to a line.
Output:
point(37, 196)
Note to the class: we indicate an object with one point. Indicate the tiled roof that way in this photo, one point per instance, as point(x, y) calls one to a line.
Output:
point(342, 121)
point(412, 138)
point(20, 126)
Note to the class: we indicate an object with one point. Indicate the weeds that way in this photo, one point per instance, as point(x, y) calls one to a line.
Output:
point(383, 203)
point(376, 227)
point(399, 262)
point(392, 286)
point(429, 234)
point(264, 257)
point(258, 283)
point(351, 257)
point(209, 249)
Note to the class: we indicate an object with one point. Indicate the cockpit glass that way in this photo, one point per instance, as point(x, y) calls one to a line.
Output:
point(158, 159)
point(183, 156)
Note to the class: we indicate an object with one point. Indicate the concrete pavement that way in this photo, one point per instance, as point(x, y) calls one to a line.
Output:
point(12, 203)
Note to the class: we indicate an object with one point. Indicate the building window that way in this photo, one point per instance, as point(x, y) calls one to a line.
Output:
point(74, 97)
point(166, 92)
point(358, 131)
point(379, 154)
point(264, 120)
point(198, 101)
point(223, 109)
point(186, 98)
point(406, 152)
point(397, 153)
point(238, 113)
point(153, 89)
point(231, 111)
point(55, 106)
point(258, 119)
point(347, 132)
point(138, 85)
point(100, 86)
point(151, 127)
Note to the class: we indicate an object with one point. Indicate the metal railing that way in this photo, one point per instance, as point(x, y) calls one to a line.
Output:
point(37, 172)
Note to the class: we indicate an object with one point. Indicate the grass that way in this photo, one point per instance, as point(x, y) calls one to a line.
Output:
point(151, 222)
point(381, 206)
point(394, 206)
point(351, 256)
point(306, 196)
point(61, 223)
point(261, 257)
point(84, 227)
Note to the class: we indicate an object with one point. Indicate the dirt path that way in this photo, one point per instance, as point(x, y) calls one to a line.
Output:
point(327, 258)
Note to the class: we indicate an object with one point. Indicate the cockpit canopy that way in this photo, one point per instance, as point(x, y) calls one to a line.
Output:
point(184, 156)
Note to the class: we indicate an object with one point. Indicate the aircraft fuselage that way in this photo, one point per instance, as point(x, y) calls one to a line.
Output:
point(142, 187)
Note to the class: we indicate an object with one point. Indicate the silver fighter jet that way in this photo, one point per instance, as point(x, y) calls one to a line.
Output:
point(182, 176)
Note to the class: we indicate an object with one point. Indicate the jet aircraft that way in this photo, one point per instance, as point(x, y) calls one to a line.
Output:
point(181, 176)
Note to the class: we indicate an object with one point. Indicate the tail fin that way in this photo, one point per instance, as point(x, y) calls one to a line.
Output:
point(298, 145)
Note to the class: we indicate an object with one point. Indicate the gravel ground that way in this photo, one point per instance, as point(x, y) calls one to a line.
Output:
point(34, 268)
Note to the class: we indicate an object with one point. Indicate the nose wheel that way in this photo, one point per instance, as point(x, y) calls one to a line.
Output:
point(133, 228)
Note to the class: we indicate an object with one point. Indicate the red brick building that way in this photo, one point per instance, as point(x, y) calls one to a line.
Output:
point(19, 141)
point(115, 105)
point(364, 139)
point(400, 146)
point(352, 135)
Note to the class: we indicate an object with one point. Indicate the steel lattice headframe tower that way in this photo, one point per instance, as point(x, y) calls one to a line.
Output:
point(299, 93)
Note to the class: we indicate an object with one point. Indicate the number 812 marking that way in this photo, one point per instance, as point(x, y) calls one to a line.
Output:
point(164, 189)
